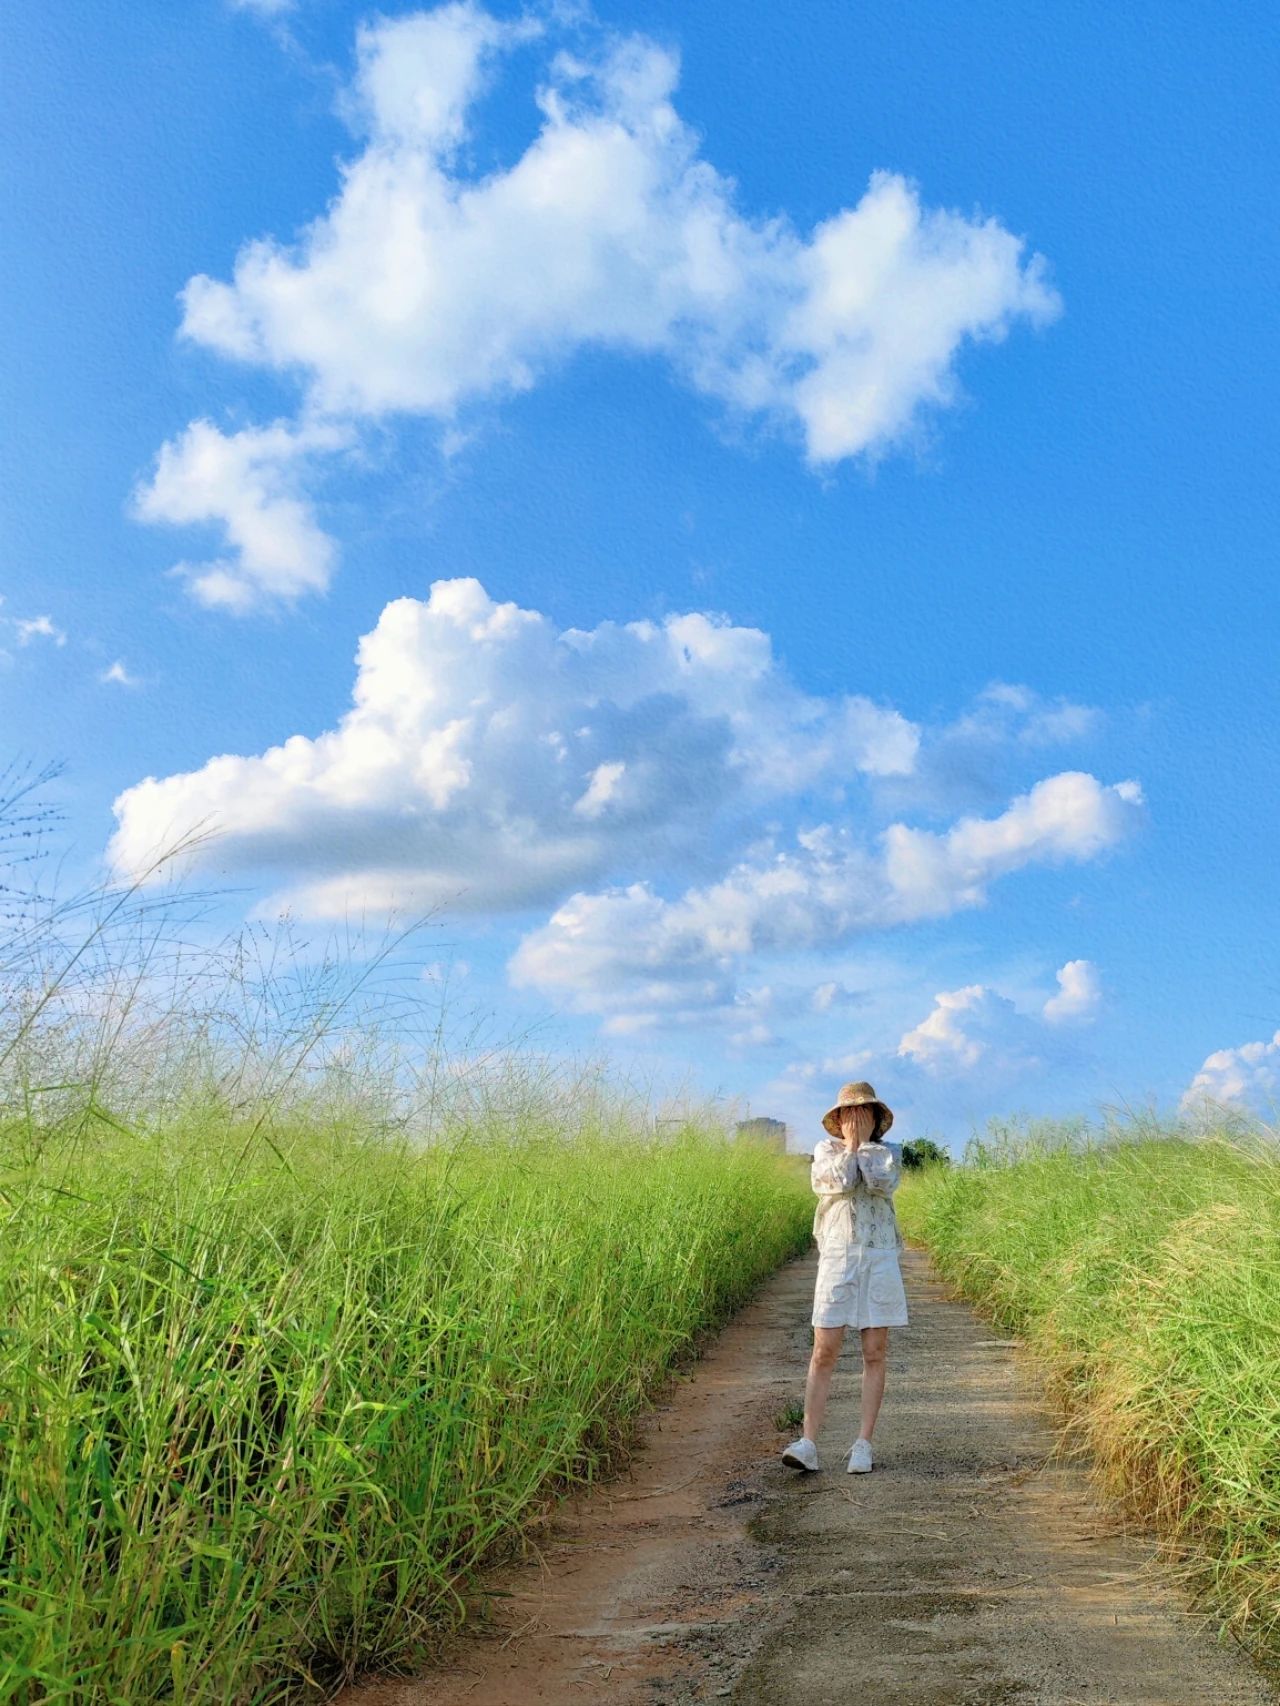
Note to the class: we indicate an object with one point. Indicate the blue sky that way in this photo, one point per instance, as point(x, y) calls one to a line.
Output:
point(803, 493)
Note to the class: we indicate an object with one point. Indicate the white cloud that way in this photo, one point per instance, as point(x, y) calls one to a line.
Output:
point(417, 75)
point(1247, 1077)
point(746, 1018)
point(1079, 992)
point(751, 1018)
point(38, 628)
point(441, 971)
point(246, 481)
point(971, 1027)
point(492, 762)
point(424, 289)
point(1068, 816)
point(976, 1027)
point(941, 1039)
point(603, 787)
point(973, 1050)
point(264, 8)
point(118, 674)
point(848, 1063)
point(978, 757)
point(629, 948)
point(1011, 710)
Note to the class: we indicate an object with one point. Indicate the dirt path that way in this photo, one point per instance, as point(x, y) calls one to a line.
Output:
point(966, 1568)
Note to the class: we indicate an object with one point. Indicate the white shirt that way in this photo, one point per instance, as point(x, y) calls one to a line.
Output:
point(855, 1194)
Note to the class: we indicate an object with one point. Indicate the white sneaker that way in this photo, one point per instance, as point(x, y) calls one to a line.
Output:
point(801, 1454)
point(859, 1457)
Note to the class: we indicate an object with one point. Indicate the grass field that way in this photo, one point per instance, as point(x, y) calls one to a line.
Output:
point(307, 1310)
point(260, 1424)
point(1145, 1273)
point(313, 1296)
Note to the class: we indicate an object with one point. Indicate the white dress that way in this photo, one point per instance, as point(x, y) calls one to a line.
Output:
point(859, 1280)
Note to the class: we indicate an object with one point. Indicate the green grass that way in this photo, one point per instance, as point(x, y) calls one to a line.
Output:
point(260, 1427)
point(1145, 1275)
point(314, 1297)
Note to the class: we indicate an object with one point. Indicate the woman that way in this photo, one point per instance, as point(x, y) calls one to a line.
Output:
point(855, 1173)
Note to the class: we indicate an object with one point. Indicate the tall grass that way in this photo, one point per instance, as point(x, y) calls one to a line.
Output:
point(1144, 1271)
point(264, 1425)
point(306, 1313)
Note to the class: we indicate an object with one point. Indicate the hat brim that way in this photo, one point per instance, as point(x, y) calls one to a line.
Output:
point(831, 1119)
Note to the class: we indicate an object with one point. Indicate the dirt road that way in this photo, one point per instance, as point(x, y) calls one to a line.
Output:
point(967, 1567)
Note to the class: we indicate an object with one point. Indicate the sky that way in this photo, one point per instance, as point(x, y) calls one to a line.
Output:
point(759, 522)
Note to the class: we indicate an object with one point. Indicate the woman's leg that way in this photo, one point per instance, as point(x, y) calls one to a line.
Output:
point(875, 1342)
point(822, 1365)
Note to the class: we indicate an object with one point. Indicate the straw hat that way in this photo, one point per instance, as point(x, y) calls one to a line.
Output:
point(859, 1095)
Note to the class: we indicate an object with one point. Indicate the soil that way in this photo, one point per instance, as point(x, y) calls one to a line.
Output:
point(974, 1564)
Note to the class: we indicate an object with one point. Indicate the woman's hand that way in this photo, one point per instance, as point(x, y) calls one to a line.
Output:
point(856, 1126)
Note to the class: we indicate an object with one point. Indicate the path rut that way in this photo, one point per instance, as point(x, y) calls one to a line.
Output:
point(970, 1566)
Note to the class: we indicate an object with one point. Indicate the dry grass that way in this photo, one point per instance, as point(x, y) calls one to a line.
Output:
point(1144, 1271)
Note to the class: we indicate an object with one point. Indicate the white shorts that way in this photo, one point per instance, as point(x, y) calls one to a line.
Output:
point(859, 1287)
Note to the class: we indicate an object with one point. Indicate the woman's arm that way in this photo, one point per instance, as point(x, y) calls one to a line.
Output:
point(880, 1165)
point(834, 1167)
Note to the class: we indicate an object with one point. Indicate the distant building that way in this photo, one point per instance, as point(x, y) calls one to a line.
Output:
point(772, 1132)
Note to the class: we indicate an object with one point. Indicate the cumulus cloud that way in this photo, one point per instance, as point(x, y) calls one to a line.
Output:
point(418, 75)
point(248, 483)
point(1247, 1078)
point(422, 288)
point(977, 757)
point(971, 1027)
point(1067, 816)
point(425, 288)
point(491, 762)
point(1079, 992)
point(972, 1043)
point(977, 1028)
point(628, 948)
